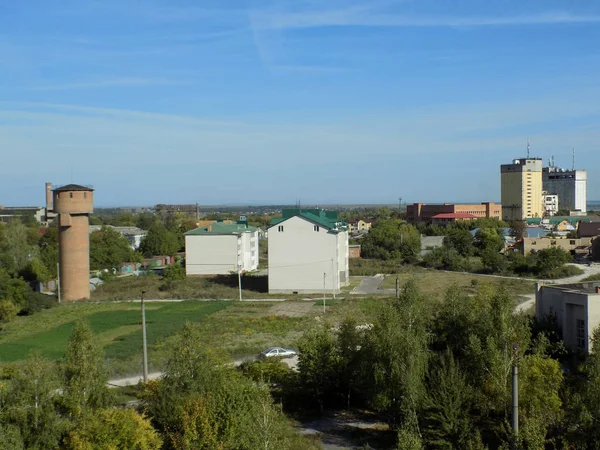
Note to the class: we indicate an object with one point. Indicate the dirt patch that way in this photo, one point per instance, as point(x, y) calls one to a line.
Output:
point(292, 309)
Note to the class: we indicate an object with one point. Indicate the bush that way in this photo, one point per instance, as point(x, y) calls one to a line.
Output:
point(37, 302)
point(174, 272)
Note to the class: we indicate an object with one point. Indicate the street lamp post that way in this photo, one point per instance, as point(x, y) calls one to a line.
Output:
point(144, 342)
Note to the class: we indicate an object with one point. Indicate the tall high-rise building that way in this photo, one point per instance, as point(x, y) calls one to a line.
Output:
point(521, 189)
point(569, 185)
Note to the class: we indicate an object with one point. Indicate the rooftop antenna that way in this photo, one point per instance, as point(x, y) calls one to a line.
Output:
point(528, 147)
point(573, 158)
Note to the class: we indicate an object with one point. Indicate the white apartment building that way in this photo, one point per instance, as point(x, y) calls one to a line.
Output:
point(308, 252)
point(221, 248)
point(550, 202)
point(569, 185)
point(577, 310)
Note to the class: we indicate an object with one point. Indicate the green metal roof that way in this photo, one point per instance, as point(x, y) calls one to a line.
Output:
point(326, 219)
point(221, 228)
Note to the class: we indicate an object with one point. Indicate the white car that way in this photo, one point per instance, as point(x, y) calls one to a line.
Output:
point(277, 352)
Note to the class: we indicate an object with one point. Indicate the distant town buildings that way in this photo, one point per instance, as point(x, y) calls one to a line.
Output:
point(421, 212)
point(220, 248)
point(308, 252)
point(359, 226)
point(569, 185)
point(577, 310)
point(521, 189)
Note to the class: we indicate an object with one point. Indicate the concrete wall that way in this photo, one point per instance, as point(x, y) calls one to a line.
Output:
point(220, 254)
point(299, 256)
point(569, 307)
point(211, 255)
point(537, 244)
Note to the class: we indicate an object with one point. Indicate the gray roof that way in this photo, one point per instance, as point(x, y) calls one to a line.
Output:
point(73, 187)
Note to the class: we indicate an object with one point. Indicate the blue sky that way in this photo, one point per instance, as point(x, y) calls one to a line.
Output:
point(257, 102)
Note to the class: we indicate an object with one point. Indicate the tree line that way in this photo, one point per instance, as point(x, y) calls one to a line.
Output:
point(463, 251)
point(440, 374)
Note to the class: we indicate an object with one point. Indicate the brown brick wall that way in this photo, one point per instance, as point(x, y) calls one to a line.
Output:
point(74, 254)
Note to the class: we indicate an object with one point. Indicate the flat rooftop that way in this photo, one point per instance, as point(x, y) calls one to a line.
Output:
point(588, 287)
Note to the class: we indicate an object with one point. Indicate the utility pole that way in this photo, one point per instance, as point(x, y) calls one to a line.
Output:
point(240, 280)
point(324, 290)
point(397, 287)
point(144, 342)
point(332, 279)
point(515, 399)
point(58, 281)
point(399, 205)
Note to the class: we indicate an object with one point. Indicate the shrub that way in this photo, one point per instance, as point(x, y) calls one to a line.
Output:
point(174, 272)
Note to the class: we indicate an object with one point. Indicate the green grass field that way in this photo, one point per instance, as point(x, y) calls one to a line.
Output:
point(237, 328)
point(435, 282)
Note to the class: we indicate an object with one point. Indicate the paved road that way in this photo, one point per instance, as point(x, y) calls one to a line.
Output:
point(368, 285)
point(292, 363)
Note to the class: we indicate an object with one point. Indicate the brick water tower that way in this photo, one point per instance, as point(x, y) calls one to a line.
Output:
point(73, 204)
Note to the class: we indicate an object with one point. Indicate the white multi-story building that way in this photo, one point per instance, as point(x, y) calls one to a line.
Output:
point(221, 248)
point(308, 252)
point(569, 185)
point(550, 202)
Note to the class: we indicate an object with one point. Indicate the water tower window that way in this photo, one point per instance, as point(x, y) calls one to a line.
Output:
point(85, 195)
point(70, 195)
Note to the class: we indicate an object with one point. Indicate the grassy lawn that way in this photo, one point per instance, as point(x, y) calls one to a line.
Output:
point(435, 282)
point(237, 328)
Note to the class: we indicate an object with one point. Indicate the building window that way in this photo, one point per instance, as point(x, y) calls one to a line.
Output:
point(316, 228)
point(280, 228)
point(70, 195)
point(85, 195)
point(580, 333)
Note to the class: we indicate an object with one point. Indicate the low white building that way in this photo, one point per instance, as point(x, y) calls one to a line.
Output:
point(577, 310)
point(308, 252)
point(221, 248)
point(133, 234)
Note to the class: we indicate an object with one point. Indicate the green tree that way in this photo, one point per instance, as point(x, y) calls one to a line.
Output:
point(448, 405)
point(15, 249)
point(144, 220)
point(550, 259)
point(174, 272)
point(48, 245)
point(85, 375)
point(392, 239)
point(461, 240)
point(493, 261)
point(397, 349)
point(10, 438)
point(13, 291)
point(319, 365)
point(108, 249)
point(159, 241)
point(540, 383)
point(30, 405)
point(111, 429)
point(489, 239)
point(517, 229)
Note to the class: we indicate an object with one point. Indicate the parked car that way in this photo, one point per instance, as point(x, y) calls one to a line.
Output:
point(277, 352)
